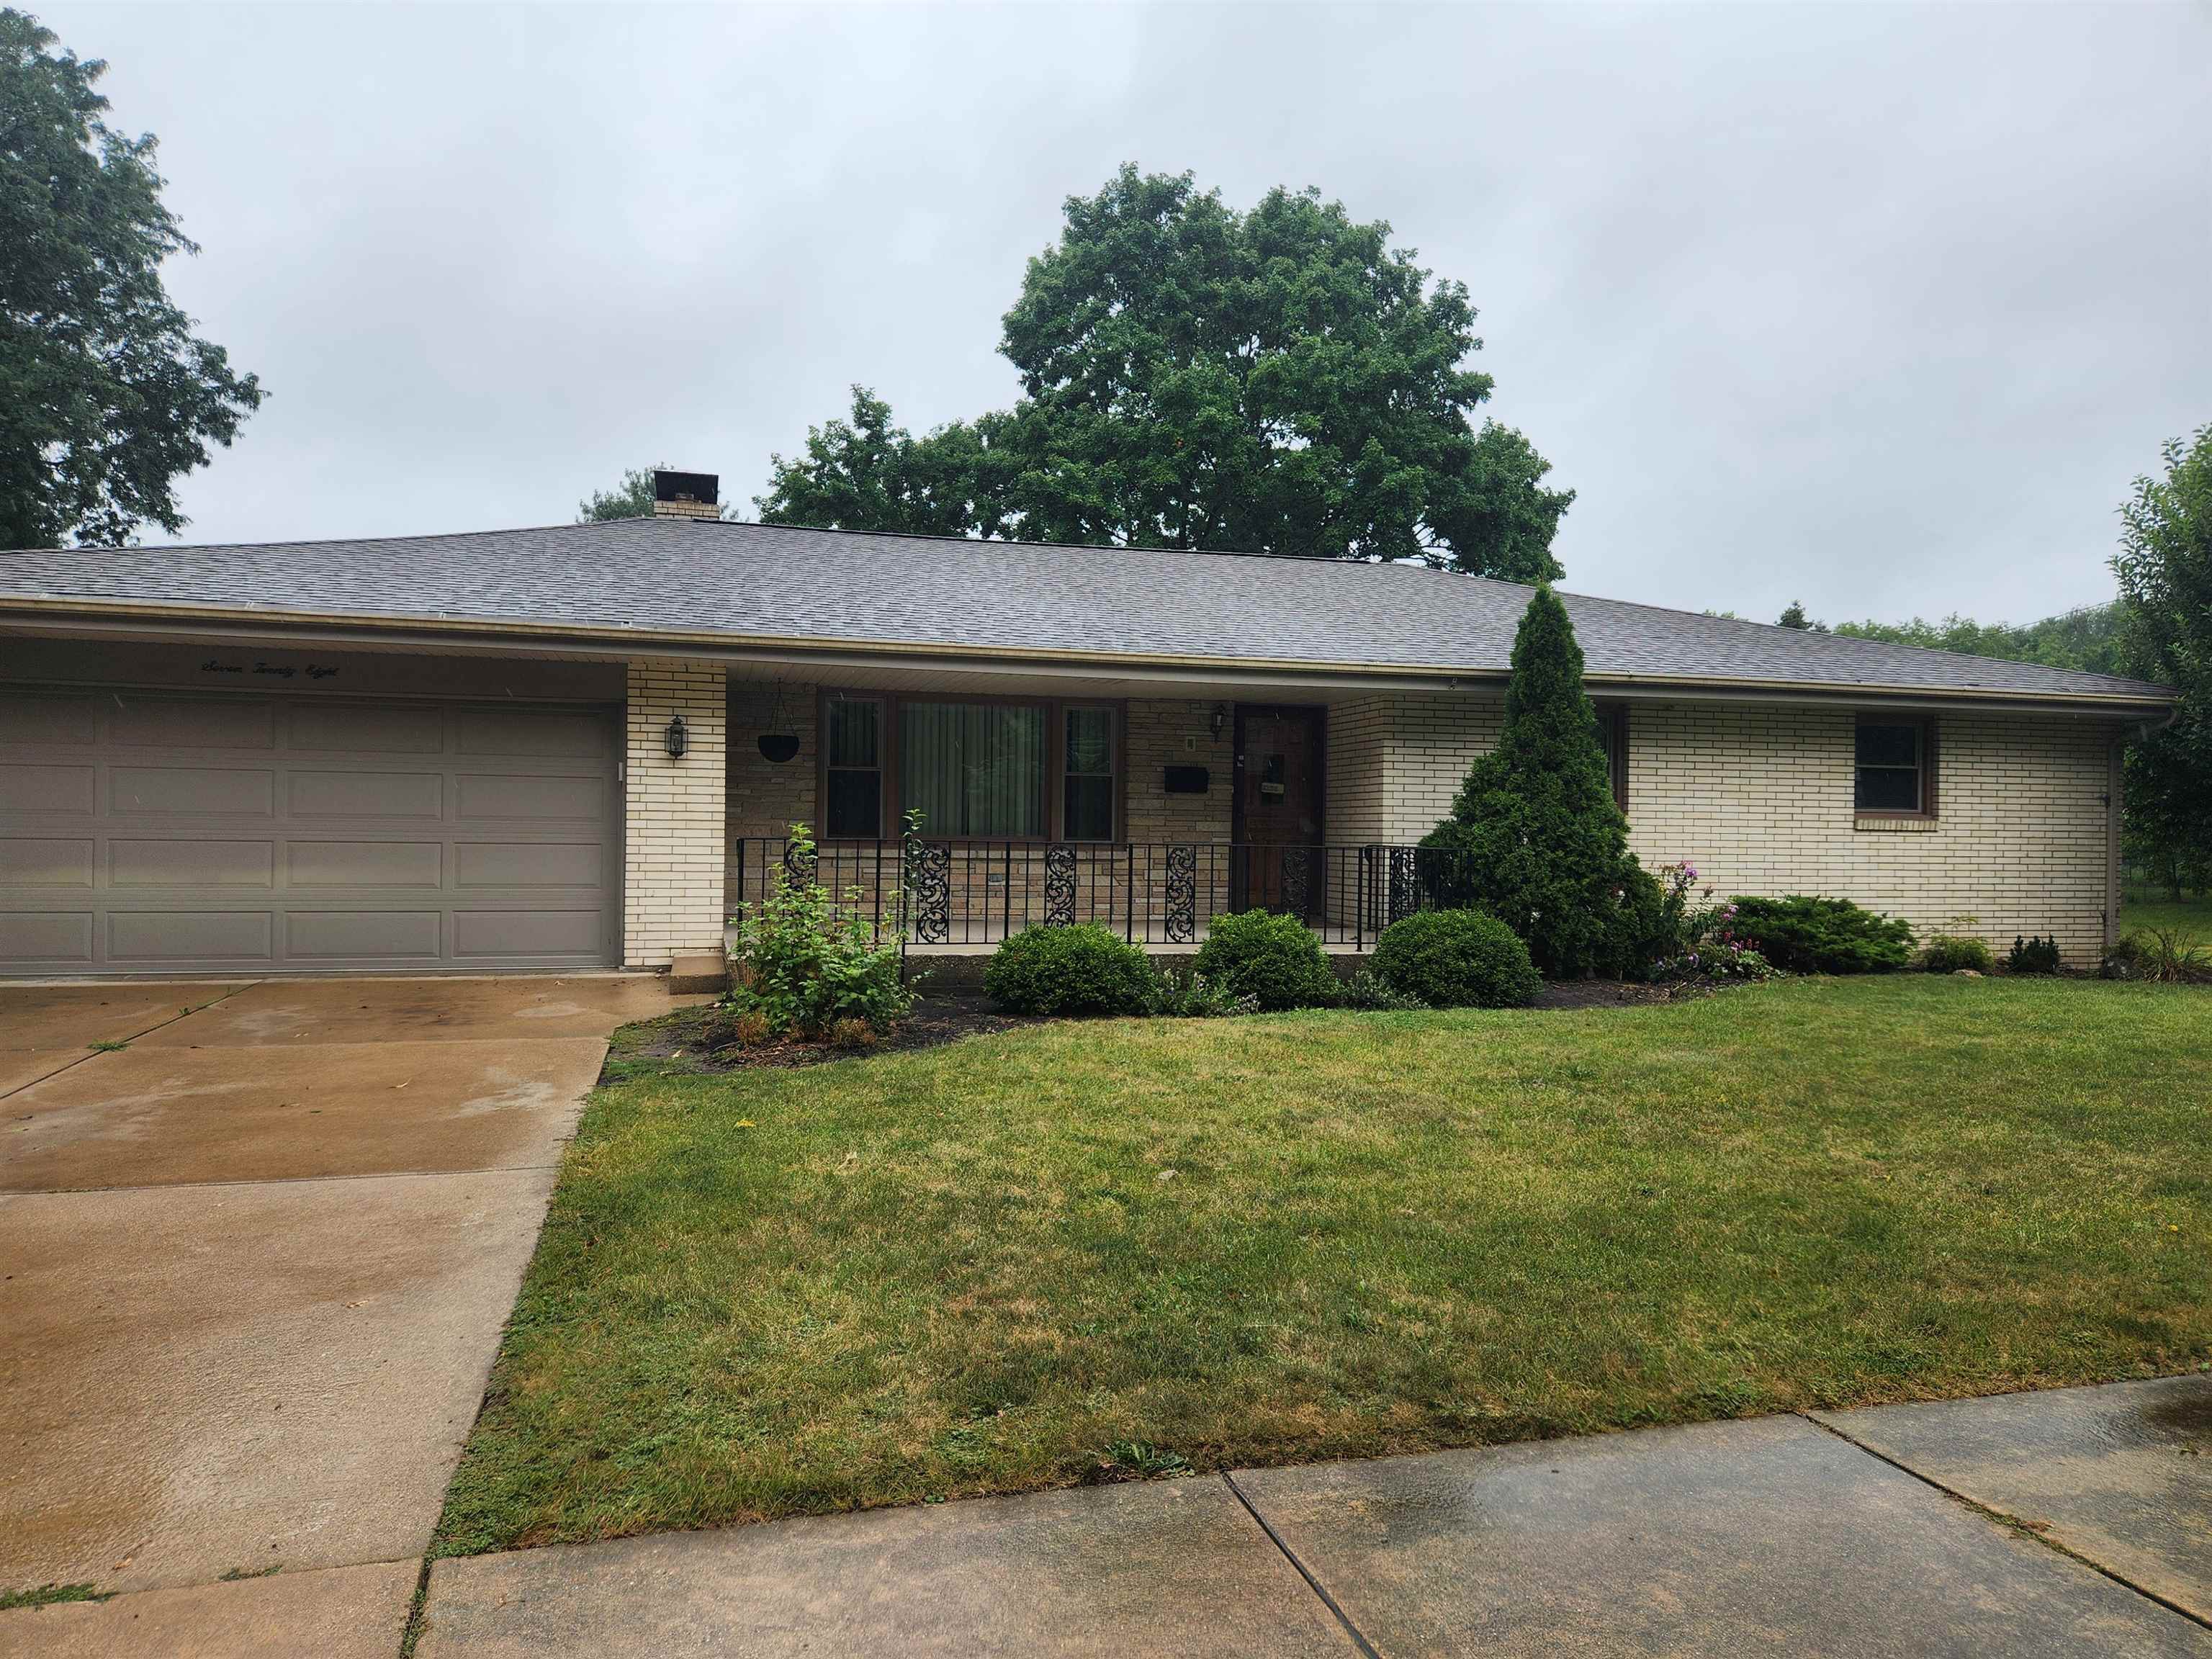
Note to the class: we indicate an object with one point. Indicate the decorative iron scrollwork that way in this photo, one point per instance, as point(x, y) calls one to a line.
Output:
point(1059, 887)
point(1404, 896)
point(1298, 881)
point(1182, 895)
point(926, 874)
point(801, 863)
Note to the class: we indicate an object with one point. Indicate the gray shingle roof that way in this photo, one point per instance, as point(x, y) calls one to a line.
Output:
point(763, 581)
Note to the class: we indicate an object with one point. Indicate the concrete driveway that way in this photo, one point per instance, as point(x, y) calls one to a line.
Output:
point(256, 1244)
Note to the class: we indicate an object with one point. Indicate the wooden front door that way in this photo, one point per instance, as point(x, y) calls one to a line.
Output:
point(1278, 820)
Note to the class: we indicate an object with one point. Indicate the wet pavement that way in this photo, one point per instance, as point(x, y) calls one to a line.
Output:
point(254, 1264)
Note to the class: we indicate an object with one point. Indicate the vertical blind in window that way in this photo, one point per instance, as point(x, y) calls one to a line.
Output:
point(1088, 776)
point(852, 748)
point(973, 768)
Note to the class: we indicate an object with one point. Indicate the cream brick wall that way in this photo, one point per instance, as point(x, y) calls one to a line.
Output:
point(673, 851)
point(1759, 800)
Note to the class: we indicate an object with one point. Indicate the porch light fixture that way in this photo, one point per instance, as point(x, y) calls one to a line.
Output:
point(677, 737)
point(1221, 720)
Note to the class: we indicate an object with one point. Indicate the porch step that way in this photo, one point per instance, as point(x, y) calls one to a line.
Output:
point(704, 974)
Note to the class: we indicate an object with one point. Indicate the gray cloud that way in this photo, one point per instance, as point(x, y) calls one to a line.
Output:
point(1877, 306)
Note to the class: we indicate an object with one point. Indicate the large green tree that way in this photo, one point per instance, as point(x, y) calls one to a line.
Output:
point(106, 397)
point(2165, 570)
point(1276, 381)
point(1535, 836)
point(2088, 638)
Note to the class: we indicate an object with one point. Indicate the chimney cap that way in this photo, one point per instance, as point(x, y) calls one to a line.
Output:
point(703, 489)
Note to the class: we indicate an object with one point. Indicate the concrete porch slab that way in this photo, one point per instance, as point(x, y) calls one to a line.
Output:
point(1769, 1536)
point(2121, 1474)
point(1169, 1567)
point(75, 1016)
point(281, 1012)
point(199, 1380)
point(147, 1116)
point(345, 1613)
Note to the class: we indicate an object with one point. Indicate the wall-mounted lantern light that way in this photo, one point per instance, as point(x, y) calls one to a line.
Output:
point(1221, 720)
point(677, 737)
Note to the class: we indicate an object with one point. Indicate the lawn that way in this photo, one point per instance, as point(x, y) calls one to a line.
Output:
point(1076, 1250)
point(2188, 916)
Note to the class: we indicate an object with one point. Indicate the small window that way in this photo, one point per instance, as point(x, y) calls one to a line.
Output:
point(853, 807)
point(1088, 776)
point(1892, 768)
point(1613, 738)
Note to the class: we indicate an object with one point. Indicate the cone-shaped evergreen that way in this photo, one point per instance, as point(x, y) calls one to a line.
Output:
point(1536, 837)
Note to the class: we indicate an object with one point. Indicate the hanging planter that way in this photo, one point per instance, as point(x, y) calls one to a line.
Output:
point(778, 745)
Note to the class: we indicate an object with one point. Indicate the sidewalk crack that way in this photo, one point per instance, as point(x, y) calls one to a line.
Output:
point(1358, 1636)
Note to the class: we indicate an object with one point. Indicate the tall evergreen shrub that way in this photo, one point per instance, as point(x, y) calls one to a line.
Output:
point(1534, 836)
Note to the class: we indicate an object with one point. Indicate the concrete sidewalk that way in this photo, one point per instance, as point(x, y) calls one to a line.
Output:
point(2071, 1522)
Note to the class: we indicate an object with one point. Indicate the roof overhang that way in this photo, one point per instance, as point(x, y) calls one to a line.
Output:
point(866, 662)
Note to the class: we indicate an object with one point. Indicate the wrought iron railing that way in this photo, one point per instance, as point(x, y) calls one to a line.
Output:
point(959, 892)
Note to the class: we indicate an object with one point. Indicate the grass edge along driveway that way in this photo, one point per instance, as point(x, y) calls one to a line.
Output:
point(1081, 1250)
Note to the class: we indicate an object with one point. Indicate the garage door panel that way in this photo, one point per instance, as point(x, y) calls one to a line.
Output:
point(498, 795)
point(48, 720)
point(46, 862)
point(183, 936)
point(346, 865)
point(27, 786)
point(528, 863)
point(190, 723)
point(367, 795)
point(166, 832)
point(192, 792)
point(31, 939)
point(352, 729)
point(194, 863)
point(504, 935)
point(362, 935)
point(524, 733)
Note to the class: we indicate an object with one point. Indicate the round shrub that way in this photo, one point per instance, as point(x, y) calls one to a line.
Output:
point(1083, 970)
point(1456, 960)
point(1275, 960)
point(1952, 953)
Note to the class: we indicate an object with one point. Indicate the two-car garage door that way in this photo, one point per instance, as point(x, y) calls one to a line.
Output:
point(152, 832)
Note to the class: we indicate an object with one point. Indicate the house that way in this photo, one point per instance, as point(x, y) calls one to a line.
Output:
point(580, 746)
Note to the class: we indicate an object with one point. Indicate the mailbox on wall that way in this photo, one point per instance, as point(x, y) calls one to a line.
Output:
point(1188, 780)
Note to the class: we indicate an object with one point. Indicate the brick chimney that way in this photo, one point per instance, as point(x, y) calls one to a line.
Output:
point(686, 495)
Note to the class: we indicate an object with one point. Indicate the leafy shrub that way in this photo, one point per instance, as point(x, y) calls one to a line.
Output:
point(1275, 960)
point(1456, 960)
point(2033, 956)
point(1188, 994)
point(1083, 969)
point(2162, 955)
point(1808, 935)
point(1365, 990)
point(1952, 953)
point(1721, 957)
point(1534, 836)
point(804, 962)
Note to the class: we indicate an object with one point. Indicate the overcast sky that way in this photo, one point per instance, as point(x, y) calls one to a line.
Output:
point(1878, 307)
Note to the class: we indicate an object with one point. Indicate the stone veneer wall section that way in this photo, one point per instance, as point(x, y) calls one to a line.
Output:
point(672, 854)
point(766, 798)
point(1759, 800)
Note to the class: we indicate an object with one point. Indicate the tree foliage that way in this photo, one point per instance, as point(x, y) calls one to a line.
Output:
point(1535, 836)
point(2087, 639)
point(1276, 381)
point(105, 395)
point(2165, 571)
point(630, 498)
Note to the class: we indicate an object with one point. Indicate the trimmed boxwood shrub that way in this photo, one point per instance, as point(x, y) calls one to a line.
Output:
point(1456, 960)
point(1805, 935)
point(1083, 969)
point(1275, 960)
point(1951, 953)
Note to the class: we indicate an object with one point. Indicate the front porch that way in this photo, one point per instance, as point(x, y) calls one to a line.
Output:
point(963, 897)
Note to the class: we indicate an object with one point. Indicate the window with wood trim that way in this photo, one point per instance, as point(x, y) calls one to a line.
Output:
point(1613, 734)
point(1894, 767)
point(982, 770)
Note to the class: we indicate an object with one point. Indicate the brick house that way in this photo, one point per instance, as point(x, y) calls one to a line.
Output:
point(582, 746)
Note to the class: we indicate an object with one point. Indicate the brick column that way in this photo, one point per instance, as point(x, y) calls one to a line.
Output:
point(673, 813)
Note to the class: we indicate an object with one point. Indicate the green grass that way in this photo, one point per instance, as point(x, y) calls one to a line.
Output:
point(2191, 915)
point(47, 1596)
point(1076, 1250)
